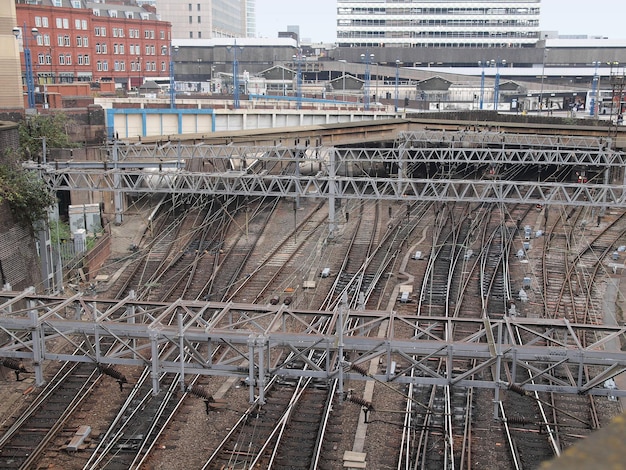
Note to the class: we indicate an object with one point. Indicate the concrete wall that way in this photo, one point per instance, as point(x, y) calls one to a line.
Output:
point(11, 91)
point(137, 122)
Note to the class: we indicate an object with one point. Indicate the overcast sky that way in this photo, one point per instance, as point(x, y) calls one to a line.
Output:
point(317, 18)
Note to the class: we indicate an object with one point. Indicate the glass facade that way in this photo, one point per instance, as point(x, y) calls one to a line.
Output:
point(443, 23)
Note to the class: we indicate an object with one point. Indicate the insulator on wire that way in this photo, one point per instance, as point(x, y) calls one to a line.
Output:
point(360, 401)
point(517, 389)
point(113, 372)
point(518, 420)
point(14, 364)
point(359, 369)
point(200, 392)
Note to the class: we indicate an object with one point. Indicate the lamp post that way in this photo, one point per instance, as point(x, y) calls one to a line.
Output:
point(397, 80)
point(543, 68)
point(235, 50)
point(28, 62)
point(298, 59)
point(496, 85)
point(367, 58)
point(173, 50)
point(594, 90)
point(482, 63)
point(343, 86)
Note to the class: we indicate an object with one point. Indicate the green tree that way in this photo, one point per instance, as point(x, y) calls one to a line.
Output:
point(35, 128)
point(26, 193)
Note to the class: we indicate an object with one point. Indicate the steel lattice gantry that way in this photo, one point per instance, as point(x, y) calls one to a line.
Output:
point(557, 354)
point(353, 173)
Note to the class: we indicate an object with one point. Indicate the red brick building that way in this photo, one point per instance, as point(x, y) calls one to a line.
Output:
point(93, 42)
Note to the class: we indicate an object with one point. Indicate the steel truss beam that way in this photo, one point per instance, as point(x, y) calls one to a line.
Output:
point(246, 336)
point(350, 173)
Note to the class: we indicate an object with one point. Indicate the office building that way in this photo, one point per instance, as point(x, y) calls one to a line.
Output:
point(207, 19)
point(447, 23)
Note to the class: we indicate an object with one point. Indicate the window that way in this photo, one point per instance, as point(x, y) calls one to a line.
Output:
point(48, 59)
point(103, 31)
point(198, 7)
point(41, 59)
point(199, 19)
point(190, 7)
point(77, 23)
point(152, 49)
point(190, 19)
point(60, 41)
point(113, 13)
point(44, 21)
point(96, 12)
point(57, 3)
point(104, 48)
point(46, 39)
point(98, 49)
point(75, 3)
point(39, 40)
point(86, 59)
point(85, 41)
point(79, 41)
point(162, 66)
point(68, 59)
point(146, 34)
point(116, 65)
point(114, 32)
point(105, 65)
point(147, 50)
point(97, 31)
point(61, 59)
point(79, 59)
point(84, 24)
point(99, 66)
point(59, 23)
point(199, 34)
point(38, 21)
point(121, 48)
point(129, 15)
point(122, 66)
point(162, 34)
point(66, 23)
point(115, 50)
point(190, 34)
point(66, 40)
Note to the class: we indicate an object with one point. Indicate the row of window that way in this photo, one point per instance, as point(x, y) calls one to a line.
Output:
point(134, 49)
point(64, 23)
point(64, 59)
point(101, 65)
point(120, 66)
point(441, 22)
point(481, 11)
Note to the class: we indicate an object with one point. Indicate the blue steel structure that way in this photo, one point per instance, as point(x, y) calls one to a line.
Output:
point(235, 50)
point(172, 79)
point(298, 59)
point(28, 62)
point(367, 58)
point(496, 85)
point(482, 84)
point(397, 80)
point(594, 90)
